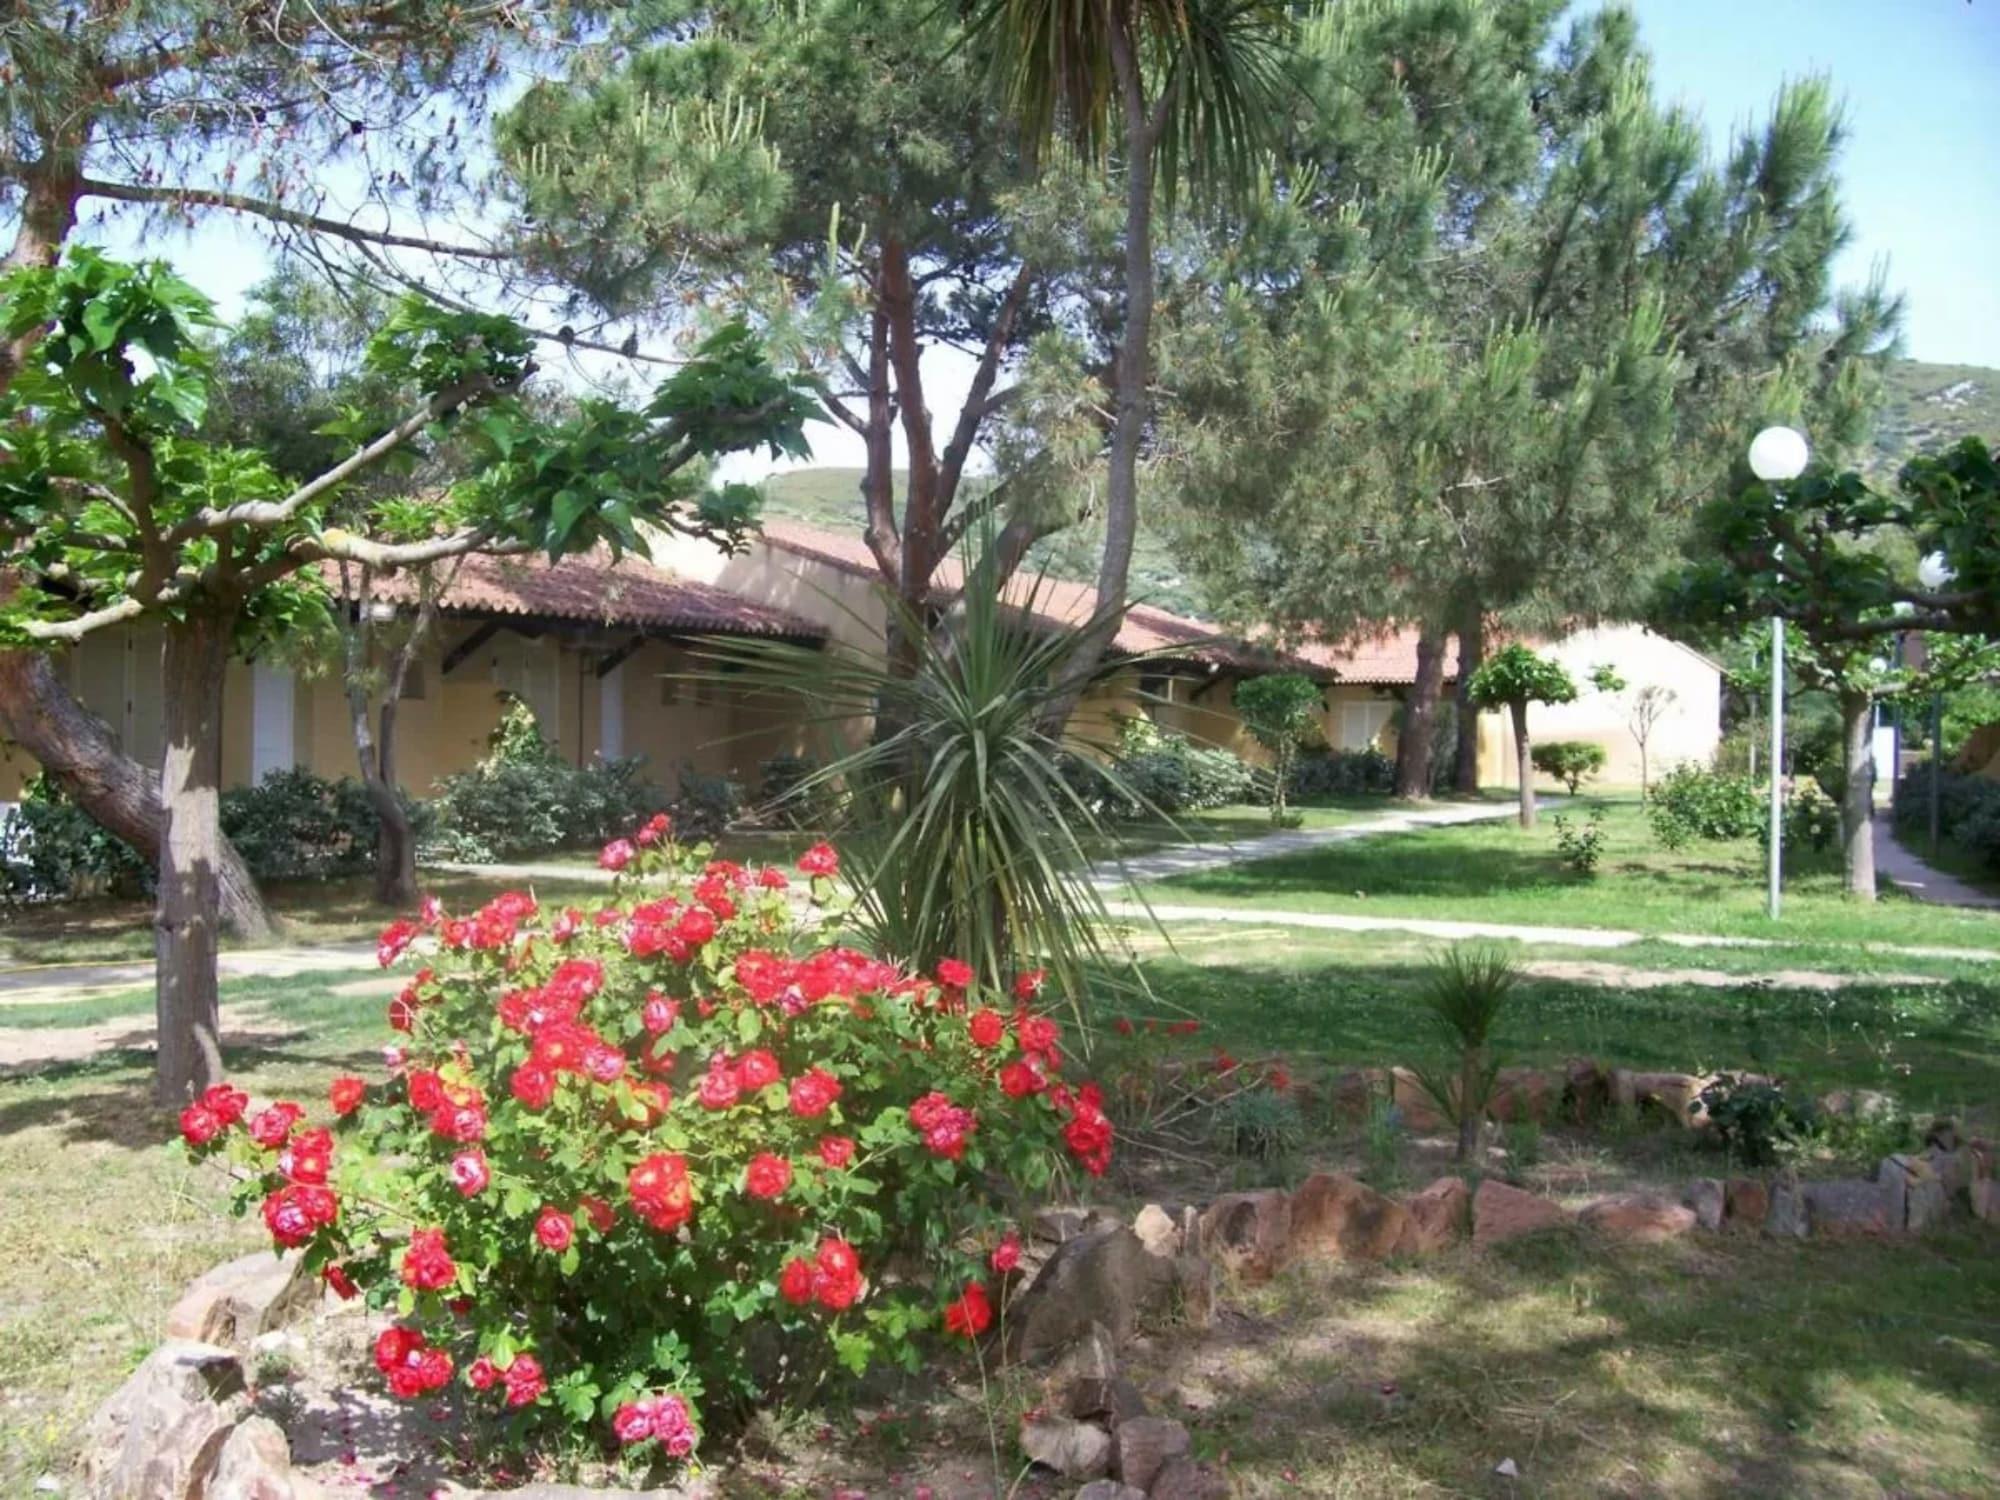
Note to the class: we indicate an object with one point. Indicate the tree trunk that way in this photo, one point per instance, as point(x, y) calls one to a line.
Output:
point(188, 1006)
point(1471, 652)
point(1857, 801)
point(121, 796)
point(1415, 744)
point(1524, 754)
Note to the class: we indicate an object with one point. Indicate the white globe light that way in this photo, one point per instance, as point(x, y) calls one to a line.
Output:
point(1934, 572)
point(1777, 454)
point(1879, 664)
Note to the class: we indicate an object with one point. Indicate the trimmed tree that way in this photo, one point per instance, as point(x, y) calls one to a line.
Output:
point(112, 509)
point(1513, 678)
point(1572, 762)
point(1280, 710)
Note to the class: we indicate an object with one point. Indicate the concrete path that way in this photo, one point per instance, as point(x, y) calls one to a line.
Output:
point(1185, 859)
point(40, 984)
point(1531, 936)
point(1895, 863)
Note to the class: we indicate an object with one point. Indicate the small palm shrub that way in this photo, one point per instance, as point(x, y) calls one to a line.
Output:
point(1464, 995)
point(632, 1170)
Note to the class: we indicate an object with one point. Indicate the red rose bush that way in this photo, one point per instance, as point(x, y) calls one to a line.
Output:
point(615, 1151)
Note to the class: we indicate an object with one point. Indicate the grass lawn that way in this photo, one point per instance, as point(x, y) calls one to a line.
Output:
point(1224, 825)
point(1496, 872)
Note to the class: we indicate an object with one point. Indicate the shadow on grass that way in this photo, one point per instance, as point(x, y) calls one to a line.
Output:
point(1703, 1368)
point(1415, 866)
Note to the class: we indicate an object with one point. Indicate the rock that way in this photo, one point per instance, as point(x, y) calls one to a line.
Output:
point(1500, 1212)
point(1586, 1090)
point(1858, 1104)
point(1670, 1094)
point(1248, 1233)
point(1943, 1134)
point(1057, 1224)
point(1197, 1279)
point(689, 1489)
point(1507, 1469)
point(1335, 1217)
point(1414, 1103)
point(1184, 1479)
point(241, 1299)
point(1985, 1197)
point(1916, 1196)
point(1157, 1231)
point(160, 1434)
point(1638, 1218)
point(1981, 1153)
point(1086, 1382)
point(1952, 1168)
point(1146, 1446)
point(255, 1464)
point(1847, 1210)
point(1747, 1201)
point(1786, 1216)
point(1353, 1095)
point(1435, 1217)
point(1093, 1357)
point(1109, 1489)
point(1705, 1196)
point(1525, 1094)
point(1105, 1277)
point(1075, 1450)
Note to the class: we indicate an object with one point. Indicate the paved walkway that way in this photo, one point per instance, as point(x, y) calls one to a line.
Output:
point(41, 984)
point(1895, 863)
point(1185, 859)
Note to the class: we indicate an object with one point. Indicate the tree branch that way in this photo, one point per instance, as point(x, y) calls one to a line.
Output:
point(277, 213)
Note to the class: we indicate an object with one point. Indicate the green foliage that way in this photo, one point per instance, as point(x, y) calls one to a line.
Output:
point(788, 792)
point(1811, 820)
point(1516, 675)
point(1968, 812)
point(706, 806)
point(1261, 1123)
point(1463, 996)
point(1572, 762)
point(51, 850)
point(294, 825)
point(1692, 803)
point(1167, 773)
point(1319, 774)
point(1281, 710)
point(524, 799)
point(1754, 1119)
point(575, 1165)
point(1580, 846)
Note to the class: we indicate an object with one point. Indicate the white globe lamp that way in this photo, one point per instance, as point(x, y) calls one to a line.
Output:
point(1778, 454)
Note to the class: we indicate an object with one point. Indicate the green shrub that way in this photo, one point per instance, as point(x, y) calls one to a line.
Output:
point(1690, 803)
point(52, 850)
point(1968, 811)
point(294, 825)
point(1580, 845)
point(1572, 762)
point(705, 806)
point(1754, 1119)
point(1260, 1123)
point(1318, 775)
point(788, 793)
point(517, 808)
point(1812, 820)
point(1170, 775)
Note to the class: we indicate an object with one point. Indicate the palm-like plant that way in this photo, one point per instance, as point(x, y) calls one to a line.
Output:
point(1464, 993)
point(1173, 88)
point(969, 829)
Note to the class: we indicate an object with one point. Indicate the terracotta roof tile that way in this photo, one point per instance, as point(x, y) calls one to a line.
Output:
point(590, 587)
point(1390, 657)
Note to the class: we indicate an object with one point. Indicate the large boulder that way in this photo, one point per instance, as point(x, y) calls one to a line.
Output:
point(1786, 1218)
point(1706, 1197)
point(1414, 1103)
point(1746, 1201)
point(1525, 1094)
point(1915, 1193)
point(256, 1464)
point(1184, 1479)
point(1075, 1450)
point(233, 1304)
point(1105, 1276)
point(1848, 1210)
point(1638, 1218)
point(1435, 1217)
point(161, 1433)
point(1147, 1445)
point(1248, 1233)
point(1335, 1217)
point(1501, 1213)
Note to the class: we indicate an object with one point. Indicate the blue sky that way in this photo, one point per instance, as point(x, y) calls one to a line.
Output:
point(1921, 176)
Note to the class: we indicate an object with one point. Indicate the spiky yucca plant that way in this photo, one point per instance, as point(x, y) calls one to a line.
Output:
point(1464, 994)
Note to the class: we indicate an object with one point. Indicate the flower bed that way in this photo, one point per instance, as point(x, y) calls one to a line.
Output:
point(632, 1168)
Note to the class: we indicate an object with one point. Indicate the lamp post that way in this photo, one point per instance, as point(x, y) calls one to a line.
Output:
point(1933, 572)
point(1777, 454)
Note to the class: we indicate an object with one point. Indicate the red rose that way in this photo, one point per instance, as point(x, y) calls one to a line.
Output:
point(270, 1127)
point(469, 1173)
point(772, 879)
point(427, 1264)
point(225, 1101)
point(661, 1192)
point(334, 1274)
point(307, 1157)
point(987, 1027)
point(1123, 1026)
point(696, 926)
point(954, 972)
point(836, 1274)
point(289, 1216)
point(1007, 1254)
point(836, 1150)
point(603, 1217)
point(533, 1086)
point(659, 1013)
point(795, 1282)
point(426, 1090)
point(199, 1125)
point(720, 1086)
point(971, 1314)
point(767, 1176)
point(1038, 1035)
point(394, 1345)
point(821, 861)
point(616, 855)
point(394, 939)
point(482, 1374)
point(554, 1230)
point(1027, 986)
point(813, 1093)
point(757, 1069)
point(523, 1380)
point(604, 1063)
point(345, 1094)
point(1018, 1080)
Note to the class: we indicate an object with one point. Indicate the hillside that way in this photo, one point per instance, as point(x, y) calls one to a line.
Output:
point(1926, 407)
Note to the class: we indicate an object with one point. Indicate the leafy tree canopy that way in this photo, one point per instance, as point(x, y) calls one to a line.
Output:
point(1516, 675)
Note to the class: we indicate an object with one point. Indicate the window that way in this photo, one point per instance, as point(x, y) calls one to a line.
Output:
point(1361, 724)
